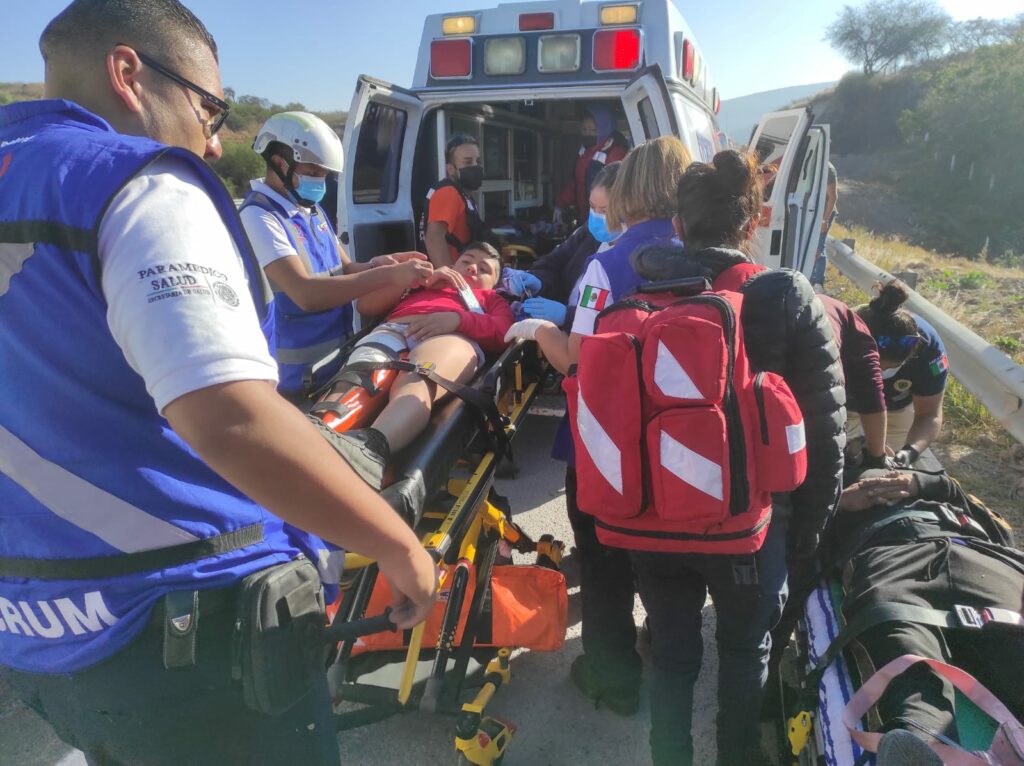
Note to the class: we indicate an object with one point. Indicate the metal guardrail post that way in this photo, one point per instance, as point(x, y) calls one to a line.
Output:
point(995, 379)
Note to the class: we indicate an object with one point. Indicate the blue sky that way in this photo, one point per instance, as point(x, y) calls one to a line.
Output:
point(311, 51)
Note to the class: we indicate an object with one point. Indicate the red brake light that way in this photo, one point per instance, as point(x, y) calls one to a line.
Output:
point(717, 101)
point(451, 58)
point(688, 57)
point(616, 49)
point(533, 22)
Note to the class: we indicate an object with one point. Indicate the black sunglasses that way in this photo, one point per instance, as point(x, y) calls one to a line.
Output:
point(217, 121)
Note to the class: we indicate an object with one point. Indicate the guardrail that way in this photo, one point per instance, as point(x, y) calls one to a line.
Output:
point(995, 379)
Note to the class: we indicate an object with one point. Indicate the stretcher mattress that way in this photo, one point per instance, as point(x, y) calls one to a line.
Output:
point(837, 686)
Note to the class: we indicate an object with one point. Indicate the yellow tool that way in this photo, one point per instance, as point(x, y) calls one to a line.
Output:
point(482, 740)
point(799, 731)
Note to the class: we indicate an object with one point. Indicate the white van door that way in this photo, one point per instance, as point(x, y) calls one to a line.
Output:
point(648, 106)
point(778, 140)
point(375, 214)
point(805, 202)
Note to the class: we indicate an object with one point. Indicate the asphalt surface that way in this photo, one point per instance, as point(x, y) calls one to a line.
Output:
point(556, 724)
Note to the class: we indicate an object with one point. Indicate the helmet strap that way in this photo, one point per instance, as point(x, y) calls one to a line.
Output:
point(286, 179)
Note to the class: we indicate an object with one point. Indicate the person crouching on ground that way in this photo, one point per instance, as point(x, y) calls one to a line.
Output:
point(452, 323)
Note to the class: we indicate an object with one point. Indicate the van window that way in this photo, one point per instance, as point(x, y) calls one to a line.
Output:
point(526, 159)
point(495, 152)
point(648, 119)
point(378, 155)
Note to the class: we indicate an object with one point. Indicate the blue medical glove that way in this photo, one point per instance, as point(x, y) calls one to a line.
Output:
point(520, 283)
point(542, 308)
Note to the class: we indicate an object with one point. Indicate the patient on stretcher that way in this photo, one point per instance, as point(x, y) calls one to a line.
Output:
point(451, 323)
point(912, 546)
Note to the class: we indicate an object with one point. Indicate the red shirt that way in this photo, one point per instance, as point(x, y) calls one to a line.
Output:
point(577, 191)
point(865, 393)
point(487, 329)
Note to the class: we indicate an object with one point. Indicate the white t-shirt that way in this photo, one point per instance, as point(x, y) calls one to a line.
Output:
point(266, 233)
point(593, 293)
point(178, 302)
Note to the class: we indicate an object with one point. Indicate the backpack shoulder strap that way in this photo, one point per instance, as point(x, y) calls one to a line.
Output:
point(734, 277)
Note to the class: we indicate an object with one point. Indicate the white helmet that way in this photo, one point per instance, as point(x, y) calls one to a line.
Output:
point(309, 137)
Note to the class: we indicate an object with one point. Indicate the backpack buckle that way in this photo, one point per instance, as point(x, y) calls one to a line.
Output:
point(744, 571)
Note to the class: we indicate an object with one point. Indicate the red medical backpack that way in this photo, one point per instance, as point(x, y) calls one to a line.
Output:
point(679, 443)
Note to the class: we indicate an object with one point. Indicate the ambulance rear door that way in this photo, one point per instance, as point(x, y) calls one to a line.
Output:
point(375, 214)
point(805, 202)
point(778, 141)
point(648, 106)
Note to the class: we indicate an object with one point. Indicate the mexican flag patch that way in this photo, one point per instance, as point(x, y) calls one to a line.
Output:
point(940, 365)
point(593, 298)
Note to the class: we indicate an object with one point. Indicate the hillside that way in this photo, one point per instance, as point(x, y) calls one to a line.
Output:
point(238, 163)
point(740, 115)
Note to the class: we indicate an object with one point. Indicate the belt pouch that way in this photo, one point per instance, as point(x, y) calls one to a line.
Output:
point(278, 642)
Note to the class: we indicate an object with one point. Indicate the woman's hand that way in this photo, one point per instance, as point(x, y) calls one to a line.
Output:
point(526, 329)
point(395, 258)
point(411, 273)
point(424, 326)
point(448, 276)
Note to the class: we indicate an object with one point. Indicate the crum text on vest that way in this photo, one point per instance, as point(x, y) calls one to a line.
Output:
point(53, 619)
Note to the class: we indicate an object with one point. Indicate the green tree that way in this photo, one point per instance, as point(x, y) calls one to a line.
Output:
point(237, 166)
point(881, 36)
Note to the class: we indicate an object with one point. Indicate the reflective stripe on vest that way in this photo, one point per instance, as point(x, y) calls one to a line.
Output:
point(117, 523)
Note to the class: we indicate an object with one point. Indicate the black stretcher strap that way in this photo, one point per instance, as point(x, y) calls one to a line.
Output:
point(889, 611)
point(480, 402)
point(103, 567)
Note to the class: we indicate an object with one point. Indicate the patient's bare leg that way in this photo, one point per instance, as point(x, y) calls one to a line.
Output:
point(411, 397)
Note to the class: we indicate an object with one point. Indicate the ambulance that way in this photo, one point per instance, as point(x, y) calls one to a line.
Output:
point(519, 78)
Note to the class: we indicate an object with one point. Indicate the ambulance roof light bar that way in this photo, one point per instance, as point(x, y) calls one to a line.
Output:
point(536, 22)
point(619, 15)
point(458, 25)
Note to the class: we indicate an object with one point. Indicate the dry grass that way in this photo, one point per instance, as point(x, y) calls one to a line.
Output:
point(989, 299)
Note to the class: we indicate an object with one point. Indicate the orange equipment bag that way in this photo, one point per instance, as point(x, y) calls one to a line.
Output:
point(529, 610)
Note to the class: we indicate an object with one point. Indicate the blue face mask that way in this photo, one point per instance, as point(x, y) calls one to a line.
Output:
point(311, 189)
point(598, 226)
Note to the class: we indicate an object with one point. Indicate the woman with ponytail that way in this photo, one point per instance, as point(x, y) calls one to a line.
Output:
point(718, 208)
point(914, 369)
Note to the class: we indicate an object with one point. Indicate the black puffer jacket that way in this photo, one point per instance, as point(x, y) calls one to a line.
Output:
point(559, 270)
point(786, 332)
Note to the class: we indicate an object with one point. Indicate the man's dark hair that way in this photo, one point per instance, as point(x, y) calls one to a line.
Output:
point(484, 247)
point(163, 29)
point(460, 139)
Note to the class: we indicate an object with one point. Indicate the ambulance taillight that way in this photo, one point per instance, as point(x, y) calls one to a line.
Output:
point(558, 53)
point(536, 22)
point(451, 58)
point(716, 101)
point(687, 64)
point(458, 25)
point(504, 56)
point(617, 50)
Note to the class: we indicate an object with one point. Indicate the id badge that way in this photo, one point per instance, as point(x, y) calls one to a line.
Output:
point(470, 301)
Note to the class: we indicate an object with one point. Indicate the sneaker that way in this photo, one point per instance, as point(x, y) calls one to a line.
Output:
point(365, 449)
point(900, 747)
point(622, 701)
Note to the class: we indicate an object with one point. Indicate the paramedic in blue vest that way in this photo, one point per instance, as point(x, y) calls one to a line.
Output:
point(147, 465)
point(312, 279)
point(642, 202)
point(786, 331)
point(915, 370)
point(450, 219)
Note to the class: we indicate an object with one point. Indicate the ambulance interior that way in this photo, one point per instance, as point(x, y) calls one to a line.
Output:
point(528, 150)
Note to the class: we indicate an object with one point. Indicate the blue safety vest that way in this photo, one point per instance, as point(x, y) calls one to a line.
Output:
point(306, 345)
point(103, 508)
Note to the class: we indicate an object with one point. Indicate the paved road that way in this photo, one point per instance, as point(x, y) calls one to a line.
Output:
point(556, 724)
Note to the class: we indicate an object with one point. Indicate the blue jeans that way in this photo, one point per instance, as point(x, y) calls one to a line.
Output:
point(673, 587)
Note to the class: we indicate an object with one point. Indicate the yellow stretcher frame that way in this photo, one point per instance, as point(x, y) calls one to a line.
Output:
point(467, 536)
